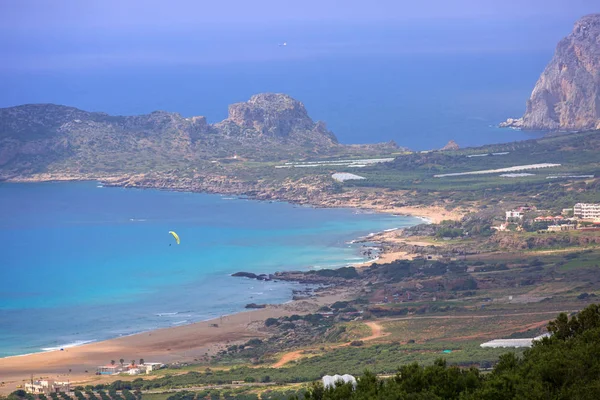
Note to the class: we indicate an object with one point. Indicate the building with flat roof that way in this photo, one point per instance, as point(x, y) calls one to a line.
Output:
point(150, 366)
point(108, 369)
point(514, 214)
point(561, 228)
point(47, 386)
point(587, 210)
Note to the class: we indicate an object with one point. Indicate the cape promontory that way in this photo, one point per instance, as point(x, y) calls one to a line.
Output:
point(566, 97)
point(40, 138)
point(450, 146)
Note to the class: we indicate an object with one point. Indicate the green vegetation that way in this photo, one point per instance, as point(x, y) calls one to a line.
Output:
point(344, 272)
point(381, 358)
point(577, 154)
point(563, 366)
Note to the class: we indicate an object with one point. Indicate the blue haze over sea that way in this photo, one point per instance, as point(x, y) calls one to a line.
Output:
point(81, 262)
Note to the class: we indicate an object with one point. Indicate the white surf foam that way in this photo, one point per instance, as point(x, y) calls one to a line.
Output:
point(68, 345)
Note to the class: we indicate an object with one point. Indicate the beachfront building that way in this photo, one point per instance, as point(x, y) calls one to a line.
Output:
point(561, 228)
point(587, 210)
point(514, 214)
point(150, 366)
point(108, 369)
point(47, 386)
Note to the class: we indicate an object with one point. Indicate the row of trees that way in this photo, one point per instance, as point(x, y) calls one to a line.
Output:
point(122, 361)
point(565, 365)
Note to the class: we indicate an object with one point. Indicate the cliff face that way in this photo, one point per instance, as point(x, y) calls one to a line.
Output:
point(39, 138)
point(567, 94)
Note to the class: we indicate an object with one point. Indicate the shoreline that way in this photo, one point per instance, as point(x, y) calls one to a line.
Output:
point(185, 347)
point(183, 343)
point(375, 241)
point(428, 214)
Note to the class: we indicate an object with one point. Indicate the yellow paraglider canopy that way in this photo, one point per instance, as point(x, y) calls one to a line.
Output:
point(176, 236)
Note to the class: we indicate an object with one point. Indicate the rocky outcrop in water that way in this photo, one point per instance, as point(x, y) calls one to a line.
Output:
point(567, 95)
point(250, 275)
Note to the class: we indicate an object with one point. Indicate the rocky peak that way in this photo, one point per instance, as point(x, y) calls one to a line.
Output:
point(567, 94)
point(275, 115)
point(451, 145)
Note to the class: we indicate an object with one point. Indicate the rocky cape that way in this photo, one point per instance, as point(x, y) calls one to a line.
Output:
point(52, 139)
point(566, 97)
point(450, 146)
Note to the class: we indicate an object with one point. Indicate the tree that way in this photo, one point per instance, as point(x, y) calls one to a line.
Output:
point(112, 362)
point(121, 361)
point(19, 393)
point(141, 360)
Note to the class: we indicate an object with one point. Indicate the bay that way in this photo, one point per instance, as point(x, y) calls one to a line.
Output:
point(80, 262)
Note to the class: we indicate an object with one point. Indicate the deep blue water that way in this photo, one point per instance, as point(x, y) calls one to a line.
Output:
point(80, 262)
point(420, 100)
point(420, 83)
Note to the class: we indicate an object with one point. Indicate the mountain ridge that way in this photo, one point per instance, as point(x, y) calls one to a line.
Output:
point(37, 138)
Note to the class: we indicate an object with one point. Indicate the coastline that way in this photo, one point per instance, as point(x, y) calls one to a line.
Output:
point(184, 343)
point(191, 341)
point(377, 201)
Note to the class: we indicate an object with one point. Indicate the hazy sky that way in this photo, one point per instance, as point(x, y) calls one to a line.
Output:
point(41, 15)
point(73, 34)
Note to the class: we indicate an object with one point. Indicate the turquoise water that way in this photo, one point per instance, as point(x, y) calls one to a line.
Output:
point(80, 262)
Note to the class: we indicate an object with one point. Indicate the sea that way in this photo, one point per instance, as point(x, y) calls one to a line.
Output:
point(80, 262)
point(419, 83)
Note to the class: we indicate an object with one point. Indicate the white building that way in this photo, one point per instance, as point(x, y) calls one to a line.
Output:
point(46, 387)
point(514, 214)
point(587, 210)
point(150, 366)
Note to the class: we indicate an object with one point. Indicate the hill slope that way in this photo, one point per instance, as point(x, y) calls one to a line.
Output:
point(38, 138)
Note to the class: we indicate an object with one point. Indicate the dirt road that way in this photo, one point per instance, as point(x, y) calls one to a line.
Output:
point(376, 332)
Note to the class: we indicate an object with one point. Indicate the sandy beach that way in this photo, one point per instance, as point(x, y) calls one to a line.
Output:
point(177, 344)
point(432, 214)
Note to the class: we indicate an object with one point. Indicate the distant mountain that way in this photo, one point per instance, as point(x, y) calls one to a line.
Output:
point(567, 94)
point(38, 138)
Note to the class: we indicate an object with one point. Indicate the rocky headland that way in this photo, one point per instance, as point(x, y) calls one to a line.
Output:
point(450, 146)
point(52, 139)
point(566, 97)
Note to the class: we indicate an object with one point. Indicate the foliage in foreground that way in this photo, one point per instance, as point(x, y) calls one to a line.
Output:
point(563, 366)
